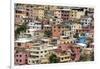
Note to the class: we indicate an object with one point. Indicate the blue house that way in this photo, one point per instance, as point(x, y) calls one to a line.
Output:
point(82, 39)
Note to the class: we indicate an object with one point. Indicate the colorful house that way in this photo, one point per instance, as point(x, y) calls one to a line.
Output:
point(21, 57)
point(82, 39)
point(56, 30)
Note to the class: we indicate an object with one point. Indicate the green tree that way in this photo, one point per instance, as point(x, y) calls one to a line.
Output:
point(47, 33)
point(53, 58)
point(76, 35)
point(21, 28)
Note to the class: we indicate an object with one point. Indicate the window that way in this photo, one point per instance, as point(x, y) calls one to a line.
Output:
point(65, 15)
point(28, 31)
point(64, 42)
point(19, 44)
point(62, 33)
point(29, 60)
point(54, 26)
point(16, 60)
point(37, 61)
point(37, 27)
point(38, 48)
point(45, 55)
point(41, 51)
point(20, 60)
point(45, 51)
point(41, 56)
point(61, 58)
point(37, 34)
point(26, 60)
point(54, 30)
point(16, 16)
point(16, 55)
point(35, 52)
point(32, 61)
point(59, 46)
point(20, 55)
point(70, 33)
point(59, 27)
point(71, 42)
point(16, 51)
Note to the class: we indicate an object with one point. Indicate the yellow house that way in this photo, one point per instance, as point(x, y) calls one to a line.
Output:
point(39, 12)
point(66, 40)
point(75, 14)
point(79, 14)
point(66, 57)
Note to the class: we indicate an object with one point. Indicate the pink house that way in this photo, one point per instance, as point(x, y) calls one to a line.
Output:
point(23, 43)
point(21, 57)
point(63, 47)
point(45, 22)
point(76, 51)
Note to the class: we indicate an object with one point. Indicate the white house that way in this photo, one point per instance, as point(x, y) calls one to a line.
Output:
point(86, 21)
point(40, 52)
point(24, 41)
point(75, 27)
point(34, 26)
point(81, 45)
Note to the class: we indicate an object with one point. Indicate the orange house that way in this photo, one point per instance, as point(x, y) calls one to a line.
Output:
point(56, 30)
